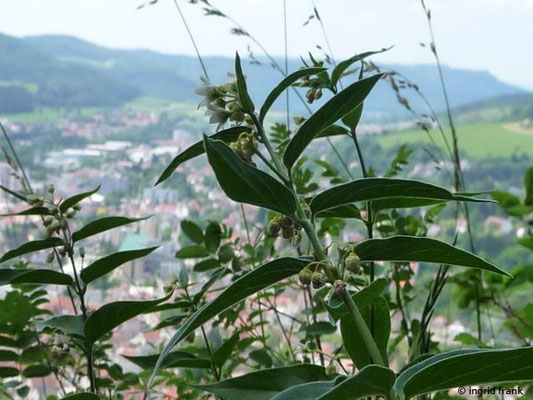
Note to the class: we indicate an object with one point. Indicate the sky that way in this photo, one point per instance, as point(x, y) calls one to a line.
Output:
point(489, 35)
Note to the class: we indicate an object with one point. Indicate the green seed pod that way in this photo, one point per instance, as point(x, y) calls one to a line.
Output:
point(48, 220)
point(50, 258)
point(331, 371)
point(82, 252)
point(310, 95)
point(298, 120)
point(274, 227)
point(333, 271)
point(31, 199)
point(318, 279)
point(287, 232)
point(77, 207)
point(51, 189)
point(305, 276)
point(352, 262)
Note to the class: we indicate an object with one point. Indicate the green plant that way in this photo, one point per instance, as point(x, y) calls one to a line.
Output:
point(346, 275)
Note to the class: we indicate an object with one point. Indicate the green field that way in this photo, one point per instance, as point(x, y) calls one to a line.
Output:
point(476, 140)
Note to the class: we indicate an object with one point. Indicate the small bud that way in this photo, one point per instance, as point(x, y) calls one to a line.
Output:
point(31, 199)
point(82, 252)
point(63, 223)
point(38, 203)
point(339, 286)
point(51, 189)
point(274, 227)
point(70, 214)
point(48, 220)
point(352, 262)
point(55, 225)
point(298, 120)
point(236, 147)
point(168, 288)
point(77, 207)
point(286, 222)
point(287, 232)
point(318, 279)
point(50, 258)
point(246, 144)
point(305, 276)
point(318, 94)
point(331, 371)
point(310, 95)
point(333, 271)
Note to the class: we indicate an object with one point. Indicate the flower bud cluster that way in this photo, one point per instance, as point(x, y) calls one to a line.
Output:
point(352, 262)
point(286, 225)
point(315, 86)
point(222, 102)
point(317, 274)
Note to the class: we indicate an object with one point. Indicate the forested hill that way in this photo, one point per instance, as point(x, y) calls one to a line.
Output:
point(68, 72)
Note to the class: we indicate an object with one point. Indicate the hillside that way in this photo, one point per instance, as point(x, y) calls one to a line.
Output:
point(69, 72)
point(497, 109)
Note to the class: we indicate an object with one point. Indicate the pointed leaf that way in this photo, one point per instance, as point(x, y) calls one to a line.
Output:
point(250, 283)
point(245, 184)
point(266, 383)
point(402, 190)
point(81, 396)
point(103, 224)
point(373, 380)
point(111, 315)
point(337, 72)
point(30, 211)
point(420, 249)
point(334, 109)
point(107, 264)
point(244, 97)
point(284, 84)
point(36, 371)
point(192, 231)
point(30, 247)
point(193, 251)
point(13, 193)
point(226, 135)
point(305, 391)
point(33, 276)
point(221, 355)
point(72, 201)
point(8, 372)
point(176, 359)
point(465, 368)
point(69, 324)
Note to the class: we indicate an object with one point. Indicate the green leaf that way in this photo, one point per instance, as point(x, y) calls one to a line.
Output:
point(368, 189)
point(206, 265)
point(213, 235)
point(107, 264)
point(526, 241)
point(284, 84)
point(176, 359)
point(8, 355)
point(111, 315)
point(101, 225)
point(192, 231)
point(362, 298)
point(372, 380)
point(352, 119)
point(321, 328)
point(337, 72)
point(36, 371)
point(465, 368)
point(266, 383)
point(250, 283)
point(194, 251)
point(72, 201)
point(382, 326)
point(245, 184)
point(528, 184)
point(334, 109)
point(420, 249)
point(221, 355)
point(8, 372)
point(69, 324)
point(261, 357)
point(12, 193)
point(10, 276)
point(244, 97)
point(81, 396)
point(29, 211)
point(305, 391)
point(193, 151)
point(345, 211)
point(30, 247)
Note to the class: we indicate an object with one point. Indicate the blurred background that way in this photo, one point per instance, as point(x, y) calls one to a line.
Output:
point(97, 92)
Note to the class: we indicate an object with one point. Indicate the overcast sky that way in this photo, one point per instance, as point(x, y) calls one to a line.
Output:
point(493, 35)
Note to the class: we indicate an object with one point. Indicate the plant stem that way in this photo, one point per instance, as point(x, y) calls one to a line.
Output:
point(360, 324)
